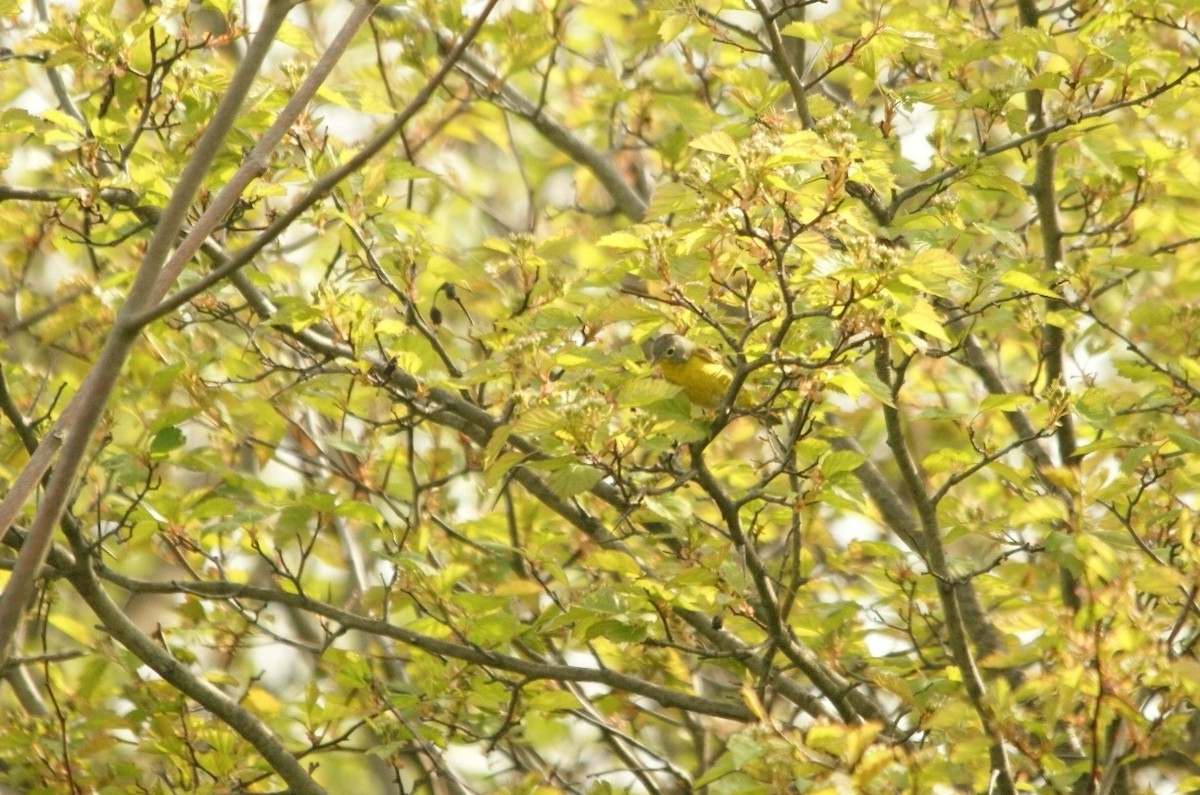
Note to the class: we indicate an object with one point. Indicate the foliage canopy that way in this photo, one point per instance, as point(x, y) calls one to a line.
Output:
point(326, 321)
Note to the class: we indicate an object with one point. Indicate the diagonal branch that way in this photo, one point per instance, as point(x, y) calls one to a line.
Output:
point(232, 264)
point(779, 55)
point(78, 421)
point(475, 655)
point(492, 84)
point(899, 519)
point(259, 157)
point(935, 556)
point(237, 717)
point(1038, 135)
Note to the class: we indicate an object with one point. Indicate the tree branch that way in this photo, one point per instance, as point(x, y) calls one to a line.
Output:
point(323, 185)
point(935, 556)
point(78, 421)
point(222, 706)
point(779, 56)
point(491, 84)
point(436, 646)
point(1037, 135)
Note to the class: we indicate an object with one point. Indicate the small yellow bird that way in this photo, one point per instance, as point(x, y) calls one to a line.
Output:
point(698, 370)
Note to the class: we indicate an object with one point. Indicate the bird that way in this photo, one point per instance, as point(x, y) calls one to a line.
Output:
point(698, 370)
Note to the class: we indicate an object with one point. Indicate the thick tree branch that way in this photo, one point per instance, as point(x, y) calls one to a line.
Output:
point(325, 184)
point(1036, 136)
point(194, 687)
point(784, 63)
point(437, 646)
point(256, 161)
point(935, 556)
point(600, 164)
point(899, 519)
point(79, 420)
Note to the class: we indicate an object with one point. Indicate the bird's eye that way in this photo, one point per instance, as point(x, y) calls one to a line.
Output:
point(671, 351)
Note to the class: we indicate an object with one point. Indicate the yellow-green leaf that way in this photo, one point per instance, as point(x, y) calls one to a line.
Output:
point(1018, 280)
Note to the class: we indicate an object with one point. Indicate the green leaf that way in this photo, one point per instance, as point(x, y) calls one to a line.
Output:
point(496, 443)
point(297, 38)
point(615, 631)
point(63, 120)
point(855, 385)
point(494, 629)
point(841, 461)
point(496, 470)
point(614, 561)
point(359, 511)
point(553, 700)
point(294, 520)
point(1186, 442)
point(1106, 443)
point(294, 313)
point(573, 479)
point(990, 179)
point(166, 440)
point(724, 766)
point(802, 30)
point(539, 420)
point(939, 413)
point(718, 142)
point(645, 391)
point(622, 241)
point(1026, 283)
point(924, 319)
point(673, 25)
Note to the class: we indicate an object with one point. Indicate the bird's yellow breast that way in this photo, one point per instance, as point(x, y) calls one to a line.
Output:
point(703, 381)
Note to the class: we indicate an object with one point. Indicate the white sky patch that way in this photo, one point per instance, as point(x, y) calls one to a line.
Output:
point(850, 527)
point(913, 128)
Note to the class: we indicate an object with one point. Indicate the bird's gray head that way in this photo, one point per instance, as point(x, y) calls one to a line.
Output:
point(669, 347)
